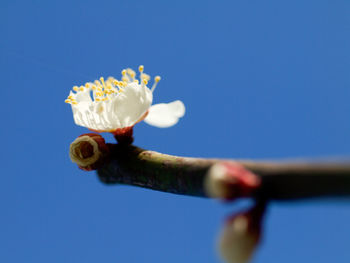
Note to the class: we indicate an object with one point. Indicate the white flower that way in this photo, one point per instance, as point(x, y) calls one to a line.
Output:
point(110, 105)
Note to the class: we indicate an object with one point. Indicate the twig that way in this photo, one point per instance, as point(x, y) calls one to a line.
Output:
point(280, 180)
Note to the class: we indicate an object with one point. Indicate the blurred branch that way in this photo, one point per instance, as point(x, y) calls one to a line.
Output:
point(131, 165)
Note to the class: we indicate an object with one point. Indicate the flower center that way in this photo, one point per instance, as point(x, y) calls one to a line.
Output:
point(104, 90)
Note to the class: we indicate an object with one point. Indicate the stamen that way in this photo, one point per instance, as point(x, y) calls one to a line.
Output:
point(75, 88)
point(97, 83)
point(111, 79)
point(156, 80)
point(145, 76)
point(103, 82)
point(131, 73)
point(141, 68)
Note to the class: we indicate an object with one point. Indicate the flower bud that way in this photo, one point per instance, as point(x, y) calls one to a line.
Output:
point(89, 151)
point(226, 180)
point(241, 235)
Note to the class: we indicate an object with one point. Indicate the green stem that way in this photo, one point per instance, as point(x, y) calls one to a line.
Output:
point(180, 175)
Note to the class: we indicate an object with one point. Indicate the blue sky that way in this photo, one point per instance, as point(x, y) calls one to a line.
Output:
point(260, 79)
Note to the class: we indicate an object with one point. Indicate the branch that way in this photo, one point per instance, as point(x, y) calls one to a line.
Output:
point(225, 179)
point(180, 175)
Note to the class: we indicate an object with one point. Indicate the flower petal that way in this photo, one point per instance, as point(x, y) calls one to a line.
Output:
point(165, 115)
point(131, 104)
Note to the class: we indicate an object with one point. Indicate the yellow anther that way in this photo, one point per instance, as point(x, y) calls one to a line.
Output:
point(115, 82)
point(87, 85)
point(74, 102)
point(93, 87)
point(124, 72)
point(97, 83)
point(75, 88)
point(125, 78)
point(67, 101)
point(141, 67)
point(81, 88)
point(70, 97)
point(137, 81)
point(145, 81)
point(98, 99)
point(145, 76)
point(156, 80)
point(131, 72)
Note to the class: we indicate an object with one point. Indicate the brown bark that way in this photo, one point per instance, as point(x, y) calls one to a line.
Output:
point(180, 175)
